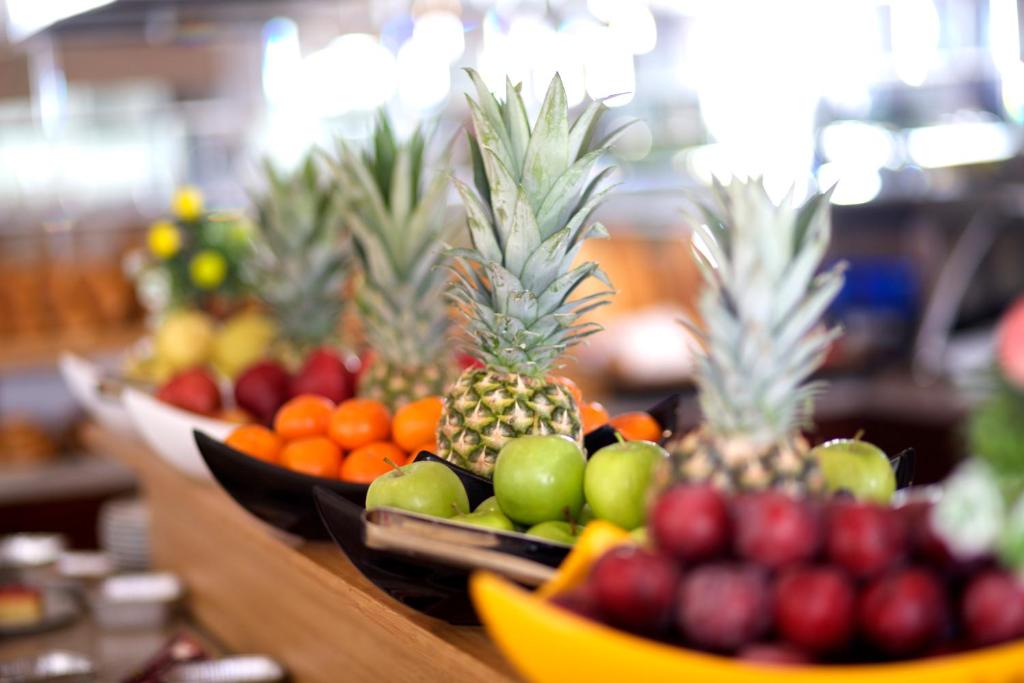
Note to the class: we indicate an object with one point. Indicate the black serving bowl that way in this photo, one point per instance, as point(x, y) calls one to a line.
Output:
point(280, 497)
point(433, 587)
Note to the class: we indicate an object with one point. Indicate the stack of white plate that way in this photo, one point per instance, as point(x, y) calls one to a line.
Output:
point(124, 533)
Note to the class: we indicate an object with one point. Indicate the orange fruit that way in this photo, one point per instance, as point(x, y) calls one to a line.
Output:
point(416, 422)
point(257, 441)
point(593, 415)
point(302, 416)
point(637, 427)
point(314, 455)
point(366, 463)
point(359, 421)
point(570, 385)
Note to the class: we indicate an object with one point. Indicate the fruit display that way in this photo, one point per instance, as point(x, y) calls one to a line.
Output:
point(546, 488)
point(187, 338)
point(194, 257)
point(527, 221)
point(767, 577)
point(351, 441)
point(761, 308)
point(395, 209)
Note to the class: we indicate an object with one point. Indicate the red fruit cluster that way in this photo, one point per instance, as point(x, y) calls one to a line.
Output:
point(771, 578)
point(264, 387)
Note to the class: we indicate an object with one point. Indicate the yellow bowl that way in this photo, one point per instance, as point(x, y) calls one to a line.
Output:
point(548, 644)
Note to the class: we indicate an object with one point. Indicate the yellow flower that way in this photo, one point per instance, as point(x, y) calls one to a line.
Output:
point(208, 269)
point(163, 239)
point(187, 203)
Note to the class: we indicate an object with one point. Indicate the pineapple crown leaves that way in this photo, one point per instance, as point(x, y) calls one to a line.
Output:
point(301, 252)
point(761, 307)
point(396, 215)
point(534, 192)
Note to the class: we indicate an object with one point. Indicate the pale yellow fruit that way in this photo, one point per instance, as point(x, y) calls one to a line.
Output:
point(148, 369)
point(241, 341)
point(184, 339)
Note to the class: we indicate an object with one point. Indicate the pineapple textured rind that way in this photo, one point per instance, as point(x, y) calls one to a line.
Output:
point(484, 410)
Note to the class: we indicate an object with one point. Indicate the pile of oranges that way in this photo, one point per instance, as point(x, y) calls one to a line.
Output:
point(358, 440)
point(355, 441)
point(633, 426)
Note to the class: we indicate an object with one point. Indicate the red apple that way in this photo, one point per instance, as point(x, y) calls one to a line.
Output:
point(815, 608)
point(864, 538)
point(691, 523)
point(324, 374)
point(993, 608)
point(194, 390)
point(261, 389)
point(723, 606)
point(774, 529)
point(635, 588)
point(903, 613)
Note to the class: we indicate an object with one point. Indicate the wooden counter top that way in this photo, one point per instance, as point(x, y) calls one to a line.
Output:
point(307, 606)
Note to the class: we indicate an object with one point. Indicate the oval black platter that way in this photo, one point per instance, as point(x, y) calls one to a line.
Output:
point(433, 587)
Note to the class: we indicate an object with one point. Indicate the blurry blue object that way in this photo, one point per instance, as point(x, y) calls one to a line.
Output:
point(879, 285)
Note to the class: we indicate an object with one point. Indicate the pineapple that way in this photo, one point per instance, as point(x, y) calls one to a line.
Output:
point(399, 232)
point(761, 307)
point(527, 222)
point(301, 258)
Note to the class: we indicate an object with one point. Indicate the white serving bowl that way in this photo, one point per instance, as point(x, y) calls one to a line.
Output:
point(168, 431)
point(83, 379)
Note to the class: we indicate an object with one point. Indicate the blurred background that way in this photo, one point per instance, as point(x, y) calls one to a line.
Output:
point(911, 109)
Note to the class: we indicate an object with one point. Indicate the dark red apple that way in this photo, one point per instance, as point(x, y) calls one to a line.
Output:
point(993, 608)
point(865, 538)
point(691, 523)
point(635, 588)
point(324, 374)
point(774, 529)
point(815, 608)
point(723, 606)
point(903, 613)
point(194, 390)
point(261, 389)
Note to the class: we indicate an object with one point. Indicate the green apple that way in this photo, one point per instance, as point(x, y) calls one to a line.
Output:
point(561, 532)
point(639, 535)
point(856, 466)
point(488, 505)
point(539, 478)
point(490, 519)
point(428, 488)
point(618, 478)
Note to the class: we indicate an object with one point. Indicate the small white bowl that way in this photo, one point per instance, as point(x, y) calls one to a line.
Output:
point(168, 431)
point(83, 381)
